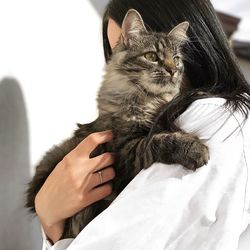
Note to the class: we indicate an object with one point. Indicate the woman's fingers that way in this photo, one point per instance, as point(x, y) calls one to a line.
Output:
point(100, 192)
point(108, 174)
point(92, 141)
point(101, 161)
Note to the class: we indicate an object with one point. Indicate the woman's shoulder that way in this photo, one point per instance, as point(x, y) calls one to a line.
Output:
point(210, 101)
point(204, 108)
point(210, 117)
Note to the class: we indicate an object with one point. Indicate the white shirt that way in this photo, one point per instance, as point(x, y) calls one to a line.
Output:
point(170, 207)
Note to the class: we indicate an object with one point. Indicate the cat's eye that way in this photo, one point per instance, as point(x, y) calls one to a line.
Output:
point(151, 56)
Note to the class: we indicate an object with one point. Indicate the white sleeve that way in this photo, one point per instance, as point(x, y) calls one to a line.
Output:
point(59, 245)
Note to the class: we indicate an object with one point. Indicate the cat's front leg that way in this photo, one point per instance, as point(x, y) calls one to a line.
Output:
point(179, 147)
point(169, 148)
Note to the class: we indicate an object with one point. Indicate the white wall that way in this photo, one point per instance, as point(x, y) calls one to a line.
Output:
point(239, 8)
point(53, 48)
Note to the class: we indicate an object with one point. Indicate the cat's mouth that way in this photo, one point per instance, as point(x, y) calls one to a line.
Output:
point(163, 80)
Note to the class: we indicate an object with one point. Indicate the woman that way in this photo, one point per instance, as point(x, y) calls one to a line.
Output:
point(210, 67)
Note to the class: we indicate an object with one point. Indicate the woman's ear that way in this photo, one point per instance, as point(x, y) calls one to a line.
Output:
point(132, 26)
point(114, 33)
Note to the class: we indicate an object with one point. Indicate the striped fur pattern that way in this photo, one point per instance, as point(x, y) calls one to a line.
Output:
point(146, 72)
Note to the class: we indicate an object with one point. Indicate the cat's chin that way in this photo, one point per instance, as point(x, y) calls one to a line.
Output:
point(164, 86)
point(160, 88)
point(161, 82)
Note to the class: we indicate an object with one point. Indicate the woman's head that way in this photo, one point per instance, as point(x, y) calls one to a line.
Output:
point(209, 62)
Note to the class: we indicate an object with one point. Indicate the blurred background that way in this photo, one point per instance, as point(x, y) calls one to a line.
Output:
point(51, 66)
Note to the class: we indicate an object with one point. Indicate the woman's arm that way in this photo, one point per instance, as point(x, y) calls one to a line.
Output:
point(59, 245)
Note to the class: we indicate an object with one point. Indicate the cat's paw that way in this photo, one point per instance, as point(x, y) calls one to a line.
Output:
point(181, 148)
point(197, 155)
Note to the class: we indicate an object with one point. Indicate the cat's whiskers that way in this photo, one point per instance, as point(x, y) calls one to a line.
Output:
point(142, 91)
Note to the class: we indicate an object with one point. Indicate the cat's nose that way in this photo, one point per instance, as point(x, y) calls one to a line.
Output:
point(171, 71)
point(170, 67)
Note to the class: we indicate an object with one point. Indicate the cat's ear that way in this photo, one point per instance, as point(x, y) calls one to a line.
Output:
point(179, 33)
point(132, 26)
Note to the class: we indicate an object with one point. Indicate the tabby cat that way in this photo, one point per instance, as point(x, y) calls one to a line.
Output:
point(145, 72)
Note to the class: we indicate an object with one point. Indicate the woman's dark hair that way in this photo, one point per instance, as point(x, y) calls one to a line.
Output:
point(209, 62)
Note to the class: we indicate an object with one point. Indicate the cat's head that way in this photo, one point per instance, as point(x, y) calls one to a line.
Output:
point(152, 60)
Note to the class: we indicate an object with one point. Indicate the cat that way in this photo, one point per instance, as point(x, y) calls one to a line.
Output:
point(145, 72)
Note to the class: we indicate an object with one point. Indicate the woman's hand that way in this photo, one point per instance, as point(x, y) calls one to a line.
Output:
point(72, 185)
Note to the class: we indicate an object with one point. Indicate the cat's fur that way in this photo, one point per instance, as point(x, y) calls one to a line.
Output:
point(133, 92)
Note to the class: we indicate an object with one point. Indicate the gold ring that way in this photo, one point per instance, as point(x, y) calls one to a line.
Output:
point(100, 175)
